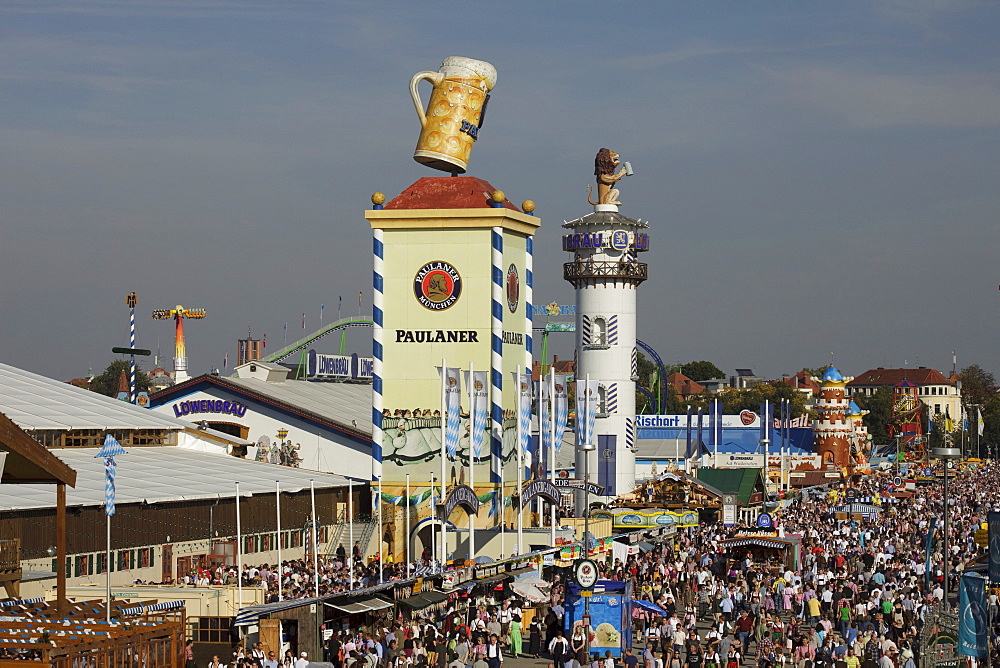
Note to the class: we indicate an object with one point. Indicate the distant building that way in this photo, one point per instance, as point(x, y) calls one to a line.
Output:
point(561, 367)
point(804, 383)
point(941, 395)
point(744, 379)
point(684, 386)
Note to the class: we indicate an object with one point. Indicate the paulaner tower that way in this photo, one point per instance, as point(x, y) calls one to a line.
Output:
point(606, 272)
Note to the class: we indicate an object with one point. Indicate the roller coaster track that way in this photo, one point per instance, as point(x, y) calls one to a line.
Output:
point(303, 344)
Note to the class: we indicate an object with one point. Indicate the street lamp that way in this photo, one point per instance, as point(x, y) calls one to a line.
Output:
point(947, 454)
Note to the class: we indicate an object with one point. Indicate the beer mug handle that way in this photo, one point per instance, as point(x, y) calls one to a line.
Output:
point(435, 78)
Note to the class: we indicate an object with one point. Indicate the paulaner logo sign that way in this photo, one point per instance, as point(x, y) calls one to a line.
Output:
point(437, 285)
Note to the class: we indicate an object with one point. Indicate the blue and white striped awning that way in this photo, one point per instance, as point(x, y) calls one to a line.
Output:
point(21, 601)
point(866, 509)
point(166, 605)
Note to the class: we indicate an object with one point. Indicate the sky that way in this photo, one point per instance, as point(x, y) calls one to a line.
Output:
point(819, 177)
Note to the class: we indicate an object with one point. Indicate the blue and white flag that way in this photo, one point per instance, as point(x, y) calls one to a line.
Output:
point(586, 412)
point(972, 625)
point(523, 385)
point(479, 407)
point(452, 409)
point(560, 410)
point(111, 449)
point(544, 421)
point(687, 445)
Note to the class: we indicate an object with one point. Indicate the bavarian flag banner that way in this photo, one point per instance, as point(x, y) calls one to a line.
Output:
point(972, 626)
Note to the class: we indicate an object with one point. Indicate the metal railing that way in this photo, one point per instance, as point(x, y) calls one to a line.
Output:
point(581, 271)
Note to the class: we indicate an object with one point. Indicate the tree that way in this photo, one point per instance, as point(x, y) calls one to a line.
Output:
point(879, 407)
point(736, 401)
point(107, 382)
point(990, 441)
point(978, 385)
point(818, 371)
point(702, 370)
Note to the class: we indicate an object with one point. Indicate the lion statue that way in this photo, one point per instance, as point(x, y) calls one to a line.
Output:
point(604, 170)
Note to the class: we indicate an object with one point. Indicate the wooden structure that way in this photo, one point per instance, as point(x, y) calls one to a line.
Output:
point(29, 462)
point(144, 634)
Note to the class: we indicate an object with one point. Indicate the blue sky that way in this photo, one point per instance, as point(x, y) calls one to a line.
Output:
point(819, 176)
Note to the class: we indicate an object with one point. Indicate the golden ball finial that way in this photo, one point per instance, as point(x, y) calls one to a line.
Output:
point(498, 196)
point(527, 206)
point(378, 198)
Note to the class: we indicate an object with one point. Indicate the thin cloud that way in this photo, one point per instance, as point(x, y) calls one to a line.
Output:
point(871, 101)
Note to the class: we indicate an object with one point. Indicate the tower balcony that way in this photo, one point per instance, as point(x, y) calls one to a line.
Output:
point(582, 272)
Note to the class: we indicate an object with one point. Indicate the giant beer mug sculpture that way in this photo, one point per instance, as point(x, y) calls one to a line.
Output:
point(454, 113)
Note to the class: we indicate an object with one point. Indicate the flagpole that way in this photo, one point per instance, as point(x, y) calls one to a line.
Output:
point(381, 533)
point(444, 437)
point(315, 532)
point(408, 525)
point(552, 448)
point(277, 513)
point(520, 463)
point(473, 406)
point(239, 553)
point(350, 529)
point(107, 558)
point(434, 534)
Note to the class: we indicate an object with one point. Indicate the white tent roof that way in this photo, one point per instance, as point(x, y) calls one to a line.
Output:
point(37, 402)
point(163, 474)
point(346, 404)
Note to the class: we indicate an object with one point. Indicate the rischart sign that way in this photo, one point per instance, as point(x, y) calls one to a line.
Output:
point(182, 408)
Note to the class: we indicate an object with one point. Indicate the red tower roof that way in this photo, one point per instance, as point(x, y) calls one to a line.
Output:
point(447, 192)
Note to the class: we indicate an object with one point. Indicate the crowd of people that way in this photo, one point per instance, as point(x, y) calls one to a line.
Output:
point(858, 598)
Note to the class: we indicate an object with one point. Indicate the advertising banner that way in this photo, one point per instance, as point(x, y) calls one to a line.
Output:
point(972, 625)
point(993, 529)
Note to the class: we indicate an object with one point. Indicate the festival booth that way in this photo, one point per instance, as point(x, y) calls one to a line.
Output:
point(765, 547)
point(610, 609)
point(632, 519)
point(856, 511)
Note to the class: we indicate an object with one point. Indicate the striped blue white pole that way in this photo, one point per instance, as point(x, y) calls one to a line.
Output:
point(528, 296)
point(496, 357)
point(131, 364)
point(378, 252)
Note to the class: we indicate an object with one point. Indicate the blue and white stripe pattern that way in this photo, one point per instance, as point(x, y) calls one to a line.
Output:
point(378, 252)
point(613, 330)
point(111, 449)
point(131, 364)
point(630, 433)
point(611, 398)
point(528, 283)
point(635, 362)
point(496, 356)
point(585, 330)
point(155, 607)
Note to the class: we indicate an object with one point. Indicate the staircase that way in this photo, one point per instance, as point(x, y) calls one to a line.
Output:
point(364, 529)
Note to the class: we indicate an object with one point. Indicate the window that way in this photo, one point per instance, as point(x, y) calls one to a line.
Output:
point(602, 400)
point(146, 557)
point(210, 629)
point(599, 337)
point(125, 560)
point(84, 565)
point(937, 409)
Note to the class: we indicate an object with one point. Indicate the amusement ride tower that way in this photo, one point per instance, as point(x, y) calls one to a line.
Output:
point(179, 313)
point(832, 429)
point(606, 273)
